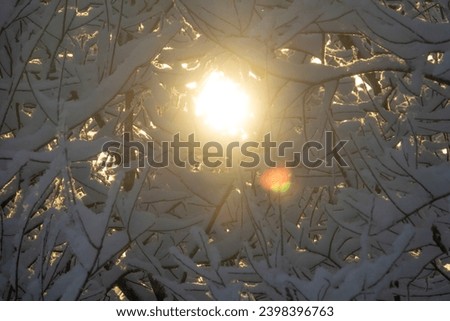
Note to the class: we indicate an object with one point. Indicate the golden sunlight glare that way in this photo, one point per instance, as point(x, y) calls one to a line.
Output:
point(223, 105)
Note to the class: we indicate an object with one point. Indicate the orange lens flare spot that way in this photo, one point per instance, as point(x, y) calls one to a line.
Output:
point(277, 180)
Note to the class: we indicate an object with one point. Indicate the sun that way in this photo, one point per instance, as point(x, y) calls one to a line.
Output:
point(223, 105)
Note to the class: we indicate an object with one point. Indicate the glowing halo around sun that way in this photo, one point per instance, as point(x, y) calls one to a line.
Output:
point(223, 105)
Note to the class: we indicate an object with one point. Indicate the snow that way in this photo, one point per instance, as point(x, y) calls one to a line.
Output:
point(378, 77)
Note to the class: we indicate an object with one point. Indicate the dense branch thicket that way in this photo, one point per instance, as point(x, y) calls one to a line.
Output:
point(77, 73)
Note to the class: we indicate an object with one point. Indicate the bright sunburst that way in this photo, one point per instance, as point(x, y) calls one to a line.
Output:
point(223, 105)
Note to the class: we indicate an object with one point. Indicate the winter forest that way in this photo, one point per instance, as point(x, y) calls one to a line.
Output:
point(76, 224)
